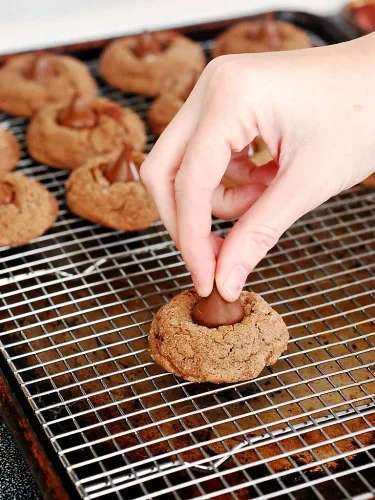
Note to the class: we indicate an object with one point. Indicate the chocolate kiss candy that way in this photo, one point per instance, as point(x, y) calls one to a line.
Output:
point(213, 311)
point(78, 114)
point(40, 69)
point(269, 31)
point(147, 44)
point(6, 193)
point(122, 169)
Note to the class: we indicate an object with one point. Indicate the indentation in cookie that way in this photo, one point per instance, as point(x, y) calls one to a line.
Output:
point(6, 193)
point(40, 69)
point(269, 31)
point(146, 44)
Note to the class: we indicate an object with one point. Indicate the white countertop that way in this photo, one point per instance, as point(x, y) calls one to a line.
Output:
point(33, 24)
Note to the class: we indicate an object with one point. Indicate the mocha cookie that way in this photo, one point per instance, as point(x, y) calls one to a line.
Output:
point(9, 151)
point(141, 64)
point(259, 152)
point(108, 191)
point(172, 97)
point(30, 81)
point(66, 136)
point(260, 35)
point(27, 210)
point(229, 353)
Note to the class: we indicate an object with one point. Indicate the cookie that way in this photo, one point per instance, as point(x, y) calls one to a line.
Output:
point(260, 35)
point(66, 136)
point(370, 181)
point(259, 153)
point(27, 210)
point(107, 190)
point(9, 151)
point(30, 81)
point(172, 97)
point(230, 353)
point(141, 64)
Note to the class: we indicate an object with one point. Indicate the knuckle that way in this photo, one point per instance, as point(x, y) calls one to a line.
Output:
point(221, 71)
point(213, 64)
point(263, 236)
point(145, 174)
point(183, 180)
point(224, 73)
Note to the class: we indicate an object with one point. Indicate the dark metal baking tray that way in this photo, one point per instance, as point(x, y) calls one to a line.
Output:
point(95, 417)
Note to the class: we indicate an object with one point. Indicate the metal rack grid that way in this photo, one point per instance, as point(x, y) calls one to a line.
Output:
point(75, 309)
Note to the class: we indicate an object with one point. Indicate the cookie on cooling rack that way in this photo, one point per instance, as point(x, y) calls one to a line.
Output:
point(30, 81)
point(260, 154)
point(173, 95)
point(67, 135)
point(9, 151)
point(141, 64)
point(261, 35)
point(27, 210)
point(211, 343)
point(107, 190)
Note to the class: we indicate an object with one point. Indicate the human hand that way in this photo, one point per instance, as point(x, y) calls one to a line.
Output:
point(315, 110)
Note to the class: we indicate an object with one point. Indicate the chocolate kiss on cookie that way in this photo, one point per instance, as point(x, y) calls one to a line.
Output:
point(123, 169)
point(213, 311)
point(147, 45)
point(40, 69)
point(6, 193)
point(78, 114)
point(269, 31)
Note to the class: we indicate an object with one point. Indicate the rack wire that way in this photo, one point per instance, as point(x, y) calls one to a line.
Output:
point(75, 310)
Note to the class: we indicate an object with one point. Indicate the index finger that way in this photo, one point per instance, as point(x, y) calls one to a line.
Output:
point(159, 170)
point(204, 164)
point(200, 173)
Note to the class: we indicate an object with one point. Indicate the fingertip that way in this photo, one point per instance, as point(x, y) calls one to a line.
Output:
point(230, 285)
point(203, 288)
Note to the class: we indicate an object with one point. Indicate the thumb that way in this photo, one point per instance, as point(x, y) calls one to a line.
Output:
point(258, 230)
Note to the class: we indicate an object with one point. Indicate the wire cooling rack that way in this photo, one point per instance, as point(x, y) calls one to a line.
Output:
point(75, 310)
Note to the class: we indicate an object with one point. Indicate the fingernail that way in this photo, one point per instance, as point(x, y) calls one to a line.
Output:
point(200, 288)
point(235, 280)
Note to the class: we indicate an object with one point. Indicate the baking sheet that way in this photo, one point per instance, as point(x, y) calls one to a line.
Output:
point(76, 306)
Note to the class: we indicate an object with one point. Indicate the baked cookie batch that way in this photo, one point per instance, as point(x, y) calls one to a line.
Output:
point(102, 142)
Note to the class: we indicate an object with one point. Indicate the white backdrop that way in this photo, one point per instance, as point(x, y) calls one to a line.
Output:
point(30, 24)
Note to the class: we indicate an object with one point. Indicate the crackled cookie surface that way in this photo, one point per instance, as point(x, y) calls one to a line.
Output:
point(108, 191)
point(260, 35)
point(229, 353)
point(9, 151)
point(142, 63)
point(30, 81)
point(27, 209)
point(67, 135)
